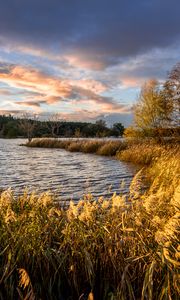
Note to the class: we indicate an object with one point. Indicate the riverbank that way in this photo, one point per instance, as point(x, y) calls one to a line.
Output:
point(106, 249)
point(136, 151)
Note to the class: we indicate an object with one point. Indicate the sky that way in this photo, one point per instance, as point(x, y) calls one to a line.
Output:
point(84, 59)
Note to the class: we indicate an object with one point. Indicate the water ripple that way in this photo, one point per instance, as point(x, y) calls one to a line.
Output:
point(70, 175)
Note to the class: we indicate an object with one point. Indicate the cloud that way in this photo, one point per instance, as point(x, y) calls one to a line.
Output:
point(14, 112)
point(91, 55)
point(86, 60)
point(50, 90)
point(30, 103)
point(134, 71)
point(83, 115)
point(97, 34)
point(5, 92)
point(35, 82)
point(90, 84)
point(5, 68)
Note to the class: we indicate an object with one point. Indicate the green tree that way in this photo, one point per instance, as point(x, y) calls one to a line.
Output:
point(101, 128)
point(101, 123)
point(118, 129)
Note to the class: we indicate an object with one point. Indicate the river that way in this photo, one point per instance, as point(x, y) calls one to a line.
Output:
point(69, 175)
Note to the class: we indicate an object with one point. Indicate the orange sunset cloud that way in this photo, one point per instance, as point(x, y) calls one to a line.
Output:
point(49, 90)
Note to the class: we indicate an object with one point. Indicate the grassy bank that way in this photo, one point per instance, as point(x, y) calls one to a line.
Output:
point(106, 249)
point(139, 152)
point(102, 147)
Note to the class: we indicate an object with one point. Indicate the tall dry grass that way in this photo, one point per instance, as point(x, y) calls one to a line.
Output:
point(104, 249)
point(137, 151)
point(146, 152)
point(101, 147)
point(110, 148)
point(49, 143)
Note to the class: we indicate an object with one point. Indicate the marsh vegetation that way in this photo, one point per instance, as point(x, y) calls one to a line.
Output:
point(108, 248)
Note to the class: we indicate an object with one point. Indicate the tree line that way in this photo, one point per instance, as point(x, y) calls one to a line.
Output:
point(13, 127)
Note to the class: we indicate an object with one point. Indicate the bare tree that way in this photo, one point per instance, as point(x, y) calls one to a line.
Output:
point(54, 124)
point(27, 124)
point(172, 85)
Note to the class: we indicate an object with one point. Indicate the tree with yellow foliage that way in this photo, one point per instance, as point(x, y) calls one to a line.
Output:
point(151, 110)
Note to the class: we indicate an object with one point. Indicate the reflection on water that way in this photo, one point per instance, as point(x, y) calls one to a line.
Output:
point(69, 175)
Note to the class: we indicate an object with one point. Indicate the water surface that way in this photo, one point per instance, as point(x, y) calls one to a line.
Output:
point(69, 175)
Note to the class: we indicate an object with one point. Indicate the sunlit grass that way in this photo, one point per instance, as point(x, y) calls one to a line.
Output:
point(136, 151)
point(101, 147)
point(115, 248)
point(110, 148)
point(146, 152)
